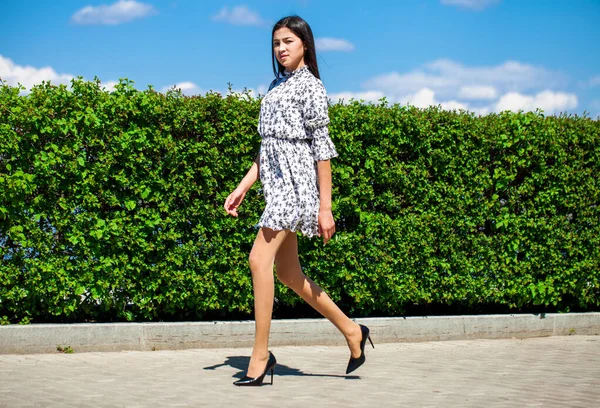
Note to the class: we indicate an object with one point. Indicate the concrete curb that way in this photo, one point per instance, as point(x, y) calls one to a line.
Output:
point(82, 337)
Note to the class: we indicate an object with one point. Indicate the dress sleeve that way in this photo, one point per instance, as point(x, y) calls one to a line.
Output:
point(316, 119)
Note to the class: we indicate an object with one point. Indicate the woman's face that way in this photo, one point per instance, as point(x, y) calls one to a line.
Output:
point(288, 48)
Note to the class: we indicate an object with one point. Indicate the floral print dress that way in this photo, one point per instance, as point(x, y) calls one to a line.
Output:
point(294, 136)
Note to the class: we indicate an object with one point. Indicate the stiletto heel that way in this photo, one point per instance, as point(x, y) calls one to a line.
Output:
point(354, 363)
point(257, 381)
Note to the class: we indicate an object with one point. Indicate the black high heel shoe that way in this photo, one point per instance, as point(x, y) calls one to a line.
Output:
point(257, 381)
point(354, 363)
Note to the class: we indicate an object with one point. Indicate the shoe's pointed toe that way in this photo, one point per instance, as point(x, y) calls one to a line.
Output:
point(257, 381)
point(354, 363)
point(247, 381)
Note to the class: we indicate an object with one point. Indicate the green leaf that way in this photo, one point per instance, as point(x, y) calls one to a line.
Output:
point(146, 193)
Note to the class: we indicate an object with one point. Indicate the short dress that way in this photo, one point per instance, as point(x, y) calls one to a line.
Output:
point(294, 136)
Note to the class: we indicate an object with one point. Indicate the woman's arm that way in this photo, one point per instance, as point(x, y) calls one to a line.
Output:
point(326, 222)
point(234, 199)
point(252, 176)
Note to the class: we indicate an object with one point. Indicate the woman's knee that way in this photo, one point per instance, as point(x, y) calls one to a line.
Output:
point(256, 261)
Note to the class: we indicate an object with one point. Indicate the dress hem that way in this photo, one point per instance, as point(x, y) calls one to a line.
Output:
point(295, 230)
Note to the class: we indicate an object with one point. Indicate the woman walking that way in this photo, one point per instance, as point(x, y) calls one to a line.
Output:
point(295, 172)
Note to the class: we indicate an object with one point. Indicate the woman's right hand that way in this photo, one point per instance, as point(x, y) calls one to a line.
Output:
point(233, 201)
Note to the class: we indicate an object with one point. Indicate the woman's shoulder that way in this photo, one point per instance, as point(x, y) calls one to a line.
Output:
point(301, 80)
point(312, 83)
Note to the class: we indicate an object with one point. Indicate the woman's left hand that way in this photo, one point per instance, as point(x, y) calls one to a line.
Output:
point(326, 225)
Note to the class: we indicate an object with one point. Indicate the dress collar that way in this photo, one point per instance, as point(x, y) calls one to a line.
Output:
point(288, 74)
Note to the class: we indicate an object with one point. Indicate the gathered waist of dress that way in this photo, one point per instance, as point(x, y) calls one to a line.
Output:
point(285, 139)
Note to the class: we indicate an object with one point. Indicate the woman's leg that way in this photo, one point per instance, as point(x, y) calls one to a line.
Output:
point(290, 274)
point(261, 259)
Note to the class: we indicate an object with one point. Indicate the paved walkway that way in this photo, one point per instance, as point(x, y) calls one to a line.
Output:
point(547, 372)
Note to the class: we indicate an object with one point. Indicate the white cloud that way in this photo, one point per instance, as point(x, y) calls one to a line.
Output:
point(249, 94)
point(594, 81)
point(471, 4)
point(454, 105)
point(122, 11)
point(239, 15)
point(481, 110)
point(426, 97)
point(333, 44)
point(399, 84)
point(595, 104)
point(190, 88)
point(422, 99)
point(13, 74)
point(477, 92)
point(345, 97)
point(508, 86)
point(109, 85)
point(551, 102)
point(187, 88)
point(262, 89)
point(446, 77)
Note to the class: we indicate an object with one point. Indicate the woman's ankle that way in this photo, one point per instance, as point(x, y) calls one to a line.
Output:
point(260, 354)
point(351, 330)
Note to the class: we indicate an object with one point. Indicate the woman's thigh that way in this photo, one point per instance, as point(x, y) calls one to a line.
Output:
point(287, 263)
point(266, 245)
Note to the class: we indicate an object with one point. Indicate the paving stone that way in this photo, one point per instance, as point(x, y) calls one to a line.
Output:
point(549, 372)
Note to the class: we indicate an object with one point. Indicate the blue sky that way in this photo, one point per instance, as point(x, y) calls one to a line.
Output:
point(481, 55)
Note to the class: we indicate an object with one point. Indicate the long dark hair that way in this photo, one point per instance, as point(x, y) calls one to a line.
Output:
point(298, 26)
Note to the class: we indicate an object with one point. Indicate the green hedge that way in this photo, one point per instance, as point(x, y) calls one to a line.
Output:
point(111, 208)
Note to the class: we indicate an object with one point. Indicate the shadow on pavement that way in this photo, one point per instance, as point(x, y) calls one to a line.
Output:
point(241, 363)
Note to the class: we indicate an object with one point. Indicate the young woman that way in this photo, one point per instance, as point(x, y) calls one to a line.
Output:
point(295, 173)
